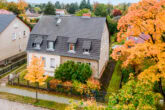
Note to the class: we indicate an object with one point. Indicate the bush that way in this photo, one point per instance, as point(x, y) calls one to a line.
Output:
point(70, 71)
point(112, 25)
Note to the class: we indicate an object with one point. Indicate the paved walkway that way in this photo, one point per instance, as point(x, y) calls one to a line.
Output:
point(9, 105)
point(32, 94)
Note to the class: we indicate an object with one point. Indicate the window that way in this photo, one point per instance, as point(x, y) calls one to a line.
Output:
point(52, 63)
point(86, 51)
point(71, 47)
point(44, 60)
point(50, 45)
point(24, 33)
point(36, 45)
point(14, 36)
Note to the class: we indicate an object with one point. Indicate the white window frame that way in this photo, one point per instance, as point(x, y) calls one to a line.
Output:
point(52, 45)
point(44, 59)
point(86, 51)
point(52, 63)
point(14, 36)
point(73, 50)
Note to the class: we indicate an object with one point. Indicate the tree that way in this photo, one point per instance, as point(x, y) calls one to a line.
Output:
point(12, 6)
point(36, 72)
point(134, 95)
point(37, 9)
point(81, 12)
point(70, 71)
point(49, 9)
point(117, 12)
point(112, 25)
point(100, 10)
point(3, 4)
point(83, 4)
point(22, 6)
point(58, 5)
point(72, 8)
point(147, 17)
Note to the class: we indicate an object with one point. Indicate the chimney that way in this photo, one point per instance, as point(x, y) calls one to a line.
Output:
point(86, 15)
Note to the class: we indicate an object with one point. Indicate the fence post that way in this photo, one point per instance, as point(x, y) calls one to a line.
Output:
point(18, 79)
point(48, 86)
point(27, 83)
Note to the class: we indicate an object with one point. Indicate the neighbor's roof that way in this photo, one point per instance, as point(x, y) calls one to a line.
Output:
point(5, 20)
point(2, 11)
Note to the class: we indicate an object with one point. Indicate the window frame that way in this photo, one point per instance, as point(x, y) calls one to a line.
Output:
point(51, 64)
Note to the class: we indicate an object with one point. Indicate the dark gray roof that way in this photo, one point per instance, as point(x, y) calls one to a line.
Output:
point(84, 32)
point(72, 40)
point(87, 45)
point(5, 20)
point(51, 38)
point(71, 26)
point(38, 40)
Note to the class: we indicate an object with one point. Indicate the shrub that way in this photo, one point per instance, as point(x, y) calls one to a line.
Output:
point(54, 83)
point(22, 74)
point(70, 71)
point(93, 84)
point(112, 25)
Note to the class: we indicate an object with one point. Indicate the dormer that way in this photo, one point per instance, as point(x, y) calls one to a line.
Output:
point(72, 44)
point(51, 43)
point(86, 47)
point(37, 43)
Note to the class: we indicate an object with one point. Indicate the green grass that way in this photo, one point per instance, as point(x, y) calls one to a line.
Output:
point(114, 84)
point(27, 100)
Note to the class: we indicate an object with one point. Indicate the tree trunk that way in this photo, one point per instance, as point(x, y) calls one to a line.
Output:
point(36, 92)
point(161, 88)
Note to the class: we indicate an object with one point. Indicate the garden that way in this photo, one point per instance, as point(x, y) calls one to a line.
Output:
point(70, 79)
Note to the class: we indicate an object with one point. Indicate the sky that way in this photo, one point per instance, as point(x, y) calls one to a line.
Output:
point(115, 2)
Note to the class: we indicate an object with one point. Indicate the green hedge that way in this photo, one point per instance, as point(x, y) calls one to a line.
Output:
point(70, 71)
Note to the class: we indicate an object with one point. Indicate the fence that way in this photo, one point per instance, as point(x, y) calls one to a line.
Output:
point(13, 66)
point(66, 90)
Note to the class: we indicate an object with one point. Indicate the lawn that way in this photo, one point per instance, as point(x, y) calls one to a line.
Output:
point(114, 84)
point(27, 100)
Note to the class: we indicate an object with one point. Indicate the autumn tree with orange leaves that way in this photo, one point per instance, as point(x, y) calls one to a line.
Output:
point(36, 72)
point(148, 17)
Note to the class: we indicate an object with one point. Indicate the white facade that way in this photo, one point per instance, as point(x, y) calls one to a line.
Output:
point(51, 62)
point(13, 40)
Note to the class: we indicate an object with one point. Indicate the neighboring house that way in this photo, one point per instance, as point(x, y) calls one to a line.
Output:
point(13, 38)
point(141, 39)
point(80, 39)
point(32, 14)
point(60, 12)
point(2, 11)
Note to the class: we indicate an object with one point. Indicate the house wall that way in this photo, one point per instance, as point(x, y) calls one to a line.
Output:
point(10, 47)
point(48, 69)
point(104, 51)
point(94, 64)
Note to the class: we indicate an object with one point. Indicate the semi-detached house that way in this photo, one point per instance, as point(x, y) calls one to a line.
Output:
point(81, 39)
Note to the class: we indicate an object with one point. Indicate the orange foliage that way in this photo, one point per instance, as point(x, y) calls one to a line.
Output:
point(22, 5)
point(54, 83)
point(36, 71)
point(146, 16)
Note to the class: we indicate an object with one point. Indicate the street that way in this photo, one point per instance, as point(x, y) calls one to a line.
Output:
point(9, 105)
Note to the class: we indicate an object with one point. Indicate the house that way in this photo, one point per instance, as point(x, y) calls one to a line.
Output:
point(81, 39)
point(32, 15)
point(61, 12)
point(140, 39)
point(14, 35)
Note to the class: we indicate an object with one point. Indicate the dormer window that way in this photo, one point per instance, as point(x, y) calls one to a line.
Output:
point(37, 43)
point(86, 47)
point(72, 44)
point(51, 43)
point(71, 47)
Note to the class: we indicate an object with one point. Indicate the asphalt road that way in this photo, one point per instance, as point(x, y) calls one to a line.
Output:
point(8, 105)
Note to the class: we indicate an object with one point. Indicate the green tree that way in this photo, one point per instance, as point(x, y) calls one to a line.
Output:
point(81, 12)
point(101, 10)
point(3, 4)
point(70, 71)
point(58, 5)
point(83, 4)
point(49, 9)
point(72, 8)
point(12, 6)
point(135, 95)
point(37, 9)
point(112, 25)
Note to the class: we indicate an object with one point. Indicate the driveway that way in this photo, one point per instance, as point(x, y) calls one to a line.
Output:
point(8, 105)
